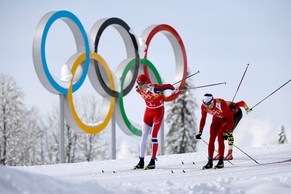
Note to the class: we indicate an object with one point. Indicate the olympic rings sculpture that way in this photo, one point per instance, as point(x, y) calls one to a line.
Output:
point(111, 86)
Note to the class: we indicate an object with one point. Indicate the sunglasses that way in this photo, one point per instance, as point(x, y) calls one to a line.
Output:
point(140, 83)
point(208, 103)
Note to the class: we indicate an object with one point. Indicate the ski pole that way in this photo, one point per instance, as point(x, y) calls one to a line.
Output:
point(246, 154)
point(186, 78)
point(240, 82)
point(203, 86)
point(215, 150)
point(270, 94)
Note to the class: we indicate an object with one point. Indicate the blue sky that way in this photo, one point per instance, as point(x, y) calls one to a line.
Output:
point(221, 38)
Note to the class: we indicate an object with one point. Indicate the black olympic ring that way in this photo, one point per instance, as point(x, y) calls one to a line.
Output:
point(127, 36)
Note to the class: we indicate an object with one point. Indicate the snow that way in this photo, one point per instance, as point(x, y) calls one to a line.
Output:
point(244, 176)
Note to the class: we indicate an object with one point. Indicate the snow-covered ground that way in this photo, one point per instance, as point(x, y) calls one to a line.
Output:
point(174, 174)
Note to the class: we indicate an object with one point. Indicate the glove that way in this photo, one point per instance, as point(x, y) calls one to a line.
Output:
point(226, 134)
point(176, 90)
point(230, 138)
point(248, 110)
point(198, 136)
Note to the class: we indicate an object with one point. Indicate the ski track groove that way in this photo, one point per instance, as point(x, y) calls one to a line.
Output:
point(240, 170)
point(125, 178)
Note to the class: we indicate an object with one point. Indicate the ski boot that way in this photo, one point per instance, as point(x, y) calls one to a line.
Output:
point(140, 164)
point(216, 157)
point(151, 165)
point(209, 164)
point(220, 164)
point(229, 155)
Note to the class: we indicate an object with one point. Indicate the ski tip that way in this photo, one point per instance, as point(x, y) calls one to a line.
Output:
point(218, 167)
point(204, 168)
point(149, 168)
point(137, 168)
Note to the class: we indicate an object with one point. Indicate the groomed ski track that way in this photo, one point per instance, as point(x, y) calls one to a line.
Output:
point(177, 171)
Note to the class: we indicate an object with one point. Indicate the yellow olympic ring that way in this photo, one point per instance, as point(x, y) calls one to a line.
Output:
point(76, 121)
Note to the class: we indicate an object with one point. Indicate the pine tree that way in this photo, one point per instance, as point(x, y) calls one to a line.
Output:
point(282, 136)
point(183, 122)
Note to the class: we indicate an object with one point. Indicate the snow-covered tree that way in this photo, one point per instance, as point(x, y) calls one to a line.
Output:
point(16, 125)
point(71, 144)
point(51, 137)
point(25, 139)
point(92, 146)
point(182, 122)
point(78, 146)
point(51, 141)
point(282, 136)
point(29, 151)
point(11, 111)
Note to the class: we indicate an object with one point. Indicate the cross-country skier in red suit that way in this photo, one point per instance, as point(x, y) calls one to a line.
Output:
point(153, 116)
point(237, 115)
point(222, 122)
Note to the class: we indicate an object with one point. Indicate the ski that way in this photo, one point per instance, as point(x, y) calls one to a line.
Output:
point(203, 168)
point(277, 162)
point(149, 169)
point(145, 168)
point(214, 168)
point(218, 167)
point(137, 168)
point(184, 171)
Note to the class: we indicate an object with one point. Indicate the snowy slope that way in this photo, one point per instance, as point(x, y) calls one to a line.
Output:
point(171, 175)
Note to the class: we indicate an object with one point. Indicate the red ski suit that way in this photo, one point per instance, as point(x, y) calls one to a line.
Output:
point(222, 121)
point(235, 106)
point(154, 113)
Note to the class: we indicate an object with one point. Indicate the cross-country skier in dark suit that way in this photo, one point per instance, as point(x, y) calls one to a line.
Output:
point(237, 115)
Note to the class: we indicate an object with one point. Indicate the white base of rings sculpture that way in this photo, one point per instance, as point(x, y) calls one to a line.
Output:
point(102, 78)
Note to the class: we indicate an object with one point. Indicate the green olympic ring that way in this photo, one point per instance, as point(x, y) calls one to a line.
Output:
point(120, 109)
